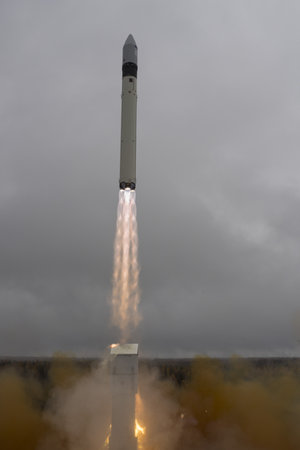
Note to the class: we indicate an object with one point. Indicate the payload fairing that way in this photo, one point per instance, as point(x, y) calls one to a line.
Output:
point(128, 115)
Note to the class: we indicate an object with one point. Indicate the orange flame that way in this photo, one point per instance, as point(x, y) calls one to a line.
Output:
point(106, 442)
point(139, 430)
point(114, 345)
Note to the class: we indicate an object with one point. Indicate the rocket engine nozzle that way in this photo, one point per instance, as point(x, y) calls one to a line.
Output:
point(124, 186)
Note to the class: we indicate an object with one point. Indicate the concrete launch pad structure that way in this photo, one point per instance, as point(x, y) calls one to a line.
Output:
point(124, 383)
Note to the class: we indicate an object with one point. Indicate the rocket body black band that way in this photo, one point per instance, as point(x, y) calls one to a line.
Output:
point(129, 69)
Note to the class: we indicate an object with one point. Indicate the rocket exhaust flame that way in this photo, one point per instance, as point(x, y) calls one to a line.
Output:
point(125, 292)
point(139, 429)
point(139, 432)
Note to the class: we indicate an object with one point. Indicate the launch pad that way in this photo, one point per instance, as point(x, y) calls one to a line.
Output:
point(124, 383)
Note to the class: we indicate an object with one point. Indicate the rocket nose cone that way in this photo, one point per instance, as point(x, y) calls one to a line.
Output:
point(130, 51)
point(130, 41)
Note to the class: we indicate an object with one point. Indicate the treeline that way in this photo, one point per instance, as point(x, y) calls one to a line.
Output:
point(177, 370)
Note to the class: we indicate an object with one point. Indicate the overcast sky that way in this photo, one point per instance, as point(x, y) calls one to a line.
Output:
point(218, 184)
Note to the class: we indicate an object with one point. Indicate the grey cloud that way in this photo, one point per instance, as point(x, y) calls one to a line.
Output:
point(218, 184)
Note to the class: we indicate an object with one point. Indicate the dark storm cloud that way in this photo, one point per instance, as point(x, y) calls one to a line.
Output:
point(218, 163)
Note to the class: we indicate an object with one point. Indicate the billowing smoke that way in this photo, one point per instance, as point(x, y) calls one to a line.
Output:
point(239, 406)
point(224, 406)
point(125, 293)
point(67, 410)
point(21, 421)
point(78, 413)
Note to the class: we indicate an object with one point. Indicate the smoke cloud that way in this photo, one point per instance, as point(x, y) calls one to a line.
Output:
point(224, 405)
point(78, 413)
point(241, 408)
point(21, 421)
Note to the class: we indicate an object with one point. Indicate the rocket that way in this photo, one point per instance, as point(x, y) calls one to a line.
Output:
point(128, 115)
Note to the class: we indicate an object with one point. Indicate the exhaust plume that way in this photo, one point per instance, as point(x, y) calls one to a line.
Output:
point(125, 292)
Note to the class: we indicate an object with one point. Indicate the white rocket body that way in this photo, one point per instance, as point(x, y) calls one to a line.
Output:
point(128, 115)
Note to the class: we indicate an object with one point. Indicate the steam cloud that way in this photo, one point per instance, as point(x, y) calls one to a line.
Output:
point(125, 293)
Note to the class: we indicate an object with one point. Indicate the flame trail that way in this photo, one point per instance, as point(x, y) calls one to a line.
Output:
point(125, 292)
